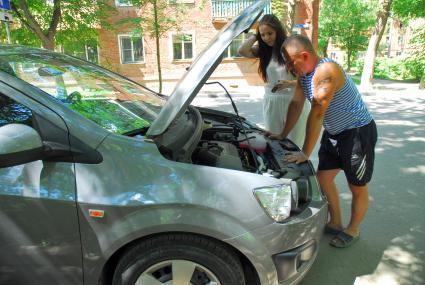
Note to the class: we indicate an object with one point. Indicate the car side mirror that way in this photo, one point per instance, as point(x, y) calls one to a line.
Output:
point(19, 144)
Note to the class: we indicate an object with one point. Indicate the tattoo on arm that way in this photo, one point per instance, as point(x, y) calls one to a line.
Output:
point(325, 80)
point(323, 85)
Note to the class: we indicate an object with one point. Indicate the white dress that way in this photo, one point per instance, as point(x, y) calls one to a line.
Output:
point(275, 105)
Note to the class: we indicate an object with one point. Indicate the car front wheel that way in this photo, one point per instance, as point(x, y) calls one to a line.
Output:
point(179, 259)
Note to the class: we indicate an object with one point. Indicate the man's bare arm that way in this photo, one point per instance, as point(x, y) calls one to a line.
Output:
point(326, 81)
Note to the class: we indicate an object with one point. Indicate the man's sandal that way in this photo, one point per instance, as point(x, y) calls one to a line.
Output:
point(332, 231)
point(342, 240)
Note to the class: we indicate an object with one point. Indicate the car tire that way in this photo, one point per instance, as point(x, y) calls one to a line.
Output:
point(195, 259)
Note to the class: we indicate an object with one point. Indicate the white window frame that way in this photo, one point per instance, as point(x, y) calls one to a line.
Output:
point(121, 49)
point(228, 56)
point(119, 4)
point(171, 48)
point(181, 1)
point(98, 52)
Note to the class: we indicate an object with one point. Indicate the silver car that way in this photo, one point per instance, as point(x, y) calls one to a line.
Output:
point(103, 181)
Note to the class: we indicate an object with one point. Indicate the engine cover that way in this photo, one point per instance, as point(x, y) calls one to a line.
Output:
point(218, 154)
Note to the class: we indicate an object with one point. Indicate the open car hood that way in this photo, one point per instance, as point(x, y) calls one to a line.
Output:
point(202, 67)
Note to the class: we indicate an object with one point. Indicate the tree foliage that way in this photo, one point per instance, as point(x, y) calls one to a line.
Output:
point(52, 22)
point(347, 23)
point(285, 11)
point(409, 8)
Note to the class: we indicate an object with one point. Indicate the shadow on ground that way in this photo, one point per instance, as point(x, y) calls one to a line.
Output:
point(392, 245)
point(391, 250)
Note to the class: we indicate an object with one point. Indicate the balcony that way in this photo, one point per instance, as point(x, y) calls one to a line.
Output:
point(223, 10)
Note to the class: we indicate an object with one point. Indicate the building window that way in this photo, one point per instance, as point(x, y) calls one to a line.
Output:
point(182, 46)
point(232, 49)
point(131, 49)
point(92, 53)
point(181, 1)
point(86, 52)
point(333, 55)
point(123, 3)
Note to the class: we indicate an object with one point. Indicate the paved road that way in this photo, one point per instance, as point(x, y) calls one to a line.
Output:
point(391, 250)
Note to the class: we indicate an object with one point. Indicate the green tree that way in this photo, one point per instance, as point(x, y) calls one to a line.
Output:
point(408, 10)
point(285, 11)
point(52, 22)
point(374, 40)
point(347, 22)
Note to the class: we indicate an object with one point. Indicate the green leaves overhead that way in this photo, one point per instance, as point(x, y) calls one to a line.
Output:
point(53, 22)
point(348, 23)
point(409, 8)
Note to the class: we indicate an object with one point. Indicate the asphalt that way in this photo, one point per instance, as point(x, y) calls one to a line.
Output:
point(391, 250)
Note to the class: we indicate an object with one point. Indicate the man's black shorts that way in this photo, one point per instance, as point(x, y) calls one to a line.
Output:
point(352, 151)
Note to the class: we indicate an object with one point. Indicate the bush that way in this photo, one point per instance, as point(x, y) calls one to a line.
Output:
point(393, 68)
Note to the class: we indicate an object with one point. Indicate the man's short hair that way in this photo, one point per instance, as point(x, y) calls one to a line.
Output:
point(299, 43)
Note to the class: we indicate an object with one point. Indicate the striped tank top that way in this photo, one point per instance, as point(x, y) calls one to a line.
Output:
point(346, 110)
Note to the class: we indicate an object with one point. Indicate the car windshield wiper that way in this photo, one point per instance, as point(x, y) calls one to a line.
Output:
point(136, 132)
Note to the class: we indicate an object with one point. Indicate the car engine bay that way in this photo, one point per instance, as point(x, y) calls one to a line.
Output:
point(219, 139)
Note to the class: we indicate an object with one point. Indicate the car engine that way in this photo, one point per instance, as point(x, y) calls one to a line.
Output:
point(218, 139)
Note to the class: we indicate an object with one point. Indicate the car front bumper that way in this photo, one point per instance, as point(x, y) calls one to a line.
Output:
point(282, 253)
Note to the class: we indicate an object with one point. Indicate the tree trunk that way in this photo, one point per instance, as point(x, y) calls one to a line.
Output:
point(47, 38)
point(349, 60)
point(158, 53)
point(325, 48)
point(378, 30)
point(290, 13)
point(285, 11)
point(48, 43)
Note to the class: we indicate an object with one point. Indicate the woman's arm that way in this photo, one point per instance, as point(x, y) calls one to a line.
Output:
point(247, 48)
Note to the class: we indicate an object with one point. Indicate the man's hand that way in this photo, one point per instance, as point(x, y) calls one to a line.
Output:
point(274, 136)
point(295, 156)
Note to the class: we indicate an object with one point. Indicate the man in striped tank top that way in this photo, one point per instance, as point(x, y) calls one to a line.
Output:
point(349, 136)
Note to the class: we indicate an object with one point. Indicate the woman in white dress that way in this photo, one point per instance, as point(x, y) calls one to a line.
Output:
point(279, 83)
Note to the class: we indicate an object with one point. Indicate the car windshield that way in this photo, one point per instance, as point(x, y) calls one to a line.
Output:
point(111, 101)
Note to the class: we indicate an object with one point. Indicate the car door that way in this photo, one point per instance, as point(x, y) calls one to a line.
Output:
point(39, 231)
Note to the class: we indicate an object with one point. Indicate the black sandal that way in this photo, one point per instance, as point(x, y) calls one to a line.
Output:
point(343, 240)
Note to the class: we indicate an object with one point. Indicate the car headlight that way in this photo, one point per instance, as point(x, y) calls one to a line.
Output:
point(276, 200)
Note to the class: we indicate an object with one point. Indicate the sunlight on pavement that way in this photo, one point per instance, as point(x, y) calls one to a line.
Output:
point(397, 123)
point(416, 139)
point(397, 265)
point(417, 169)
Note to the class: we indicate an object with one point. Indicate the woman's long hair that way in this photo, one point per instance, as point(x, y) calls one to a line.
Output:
point(266, 52)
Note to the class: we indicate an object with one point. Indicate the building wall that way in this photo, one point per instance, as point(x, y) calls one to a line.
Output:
point(232, 72)
point(398, 37)
point(197, 21)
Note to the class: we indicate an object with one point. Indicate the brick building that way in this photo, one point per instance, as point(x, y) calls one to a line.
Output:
point(134, 55)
